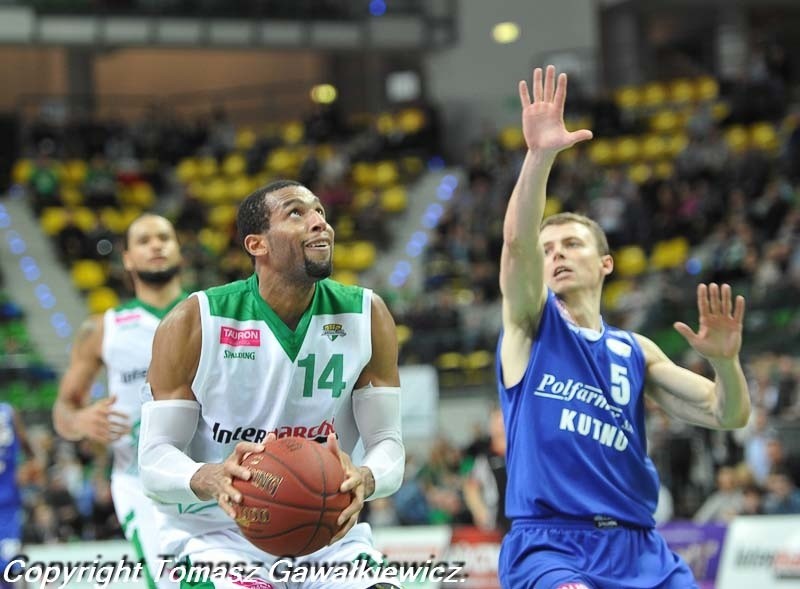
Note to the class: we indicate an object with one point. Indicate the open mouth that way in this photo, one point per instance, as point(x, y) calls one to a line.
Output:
point(561, 270)
point(318, 245)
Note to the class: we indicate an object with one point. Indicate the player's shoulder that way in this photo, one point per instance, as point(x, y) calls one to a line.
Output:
point(335, 297)
point(237, 287)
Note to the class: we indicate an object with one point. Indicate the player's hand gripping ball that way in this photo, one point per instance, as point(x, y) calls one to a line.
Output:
point(291, 503)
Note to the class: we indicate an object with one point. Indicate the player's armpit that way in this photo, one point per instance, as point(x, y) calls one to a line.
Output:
point(176, 352)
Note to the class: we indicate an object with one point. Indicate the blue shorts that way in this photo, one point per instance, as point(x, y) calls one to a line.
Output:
point(556, 554)
point(10, 534)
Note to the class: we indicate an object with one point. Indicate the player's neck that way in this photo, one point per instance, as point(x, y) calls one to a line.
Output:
point(159, 296)
point(583, 309)
point(287, 299)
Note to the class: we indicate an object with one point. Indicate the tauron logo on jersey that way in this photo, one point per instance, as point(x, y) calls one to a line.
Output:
point(333, 330)
point(318, 433)
point(553, 388)
point(127, 318)
point(240, 337)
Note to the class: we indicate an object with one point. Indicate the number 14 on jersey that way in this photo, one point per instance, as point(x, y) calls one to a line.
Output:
point(330, 378)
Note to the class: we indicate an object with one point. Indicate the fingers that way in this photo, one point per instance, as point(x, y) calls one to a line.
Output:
point(713, 298)
point(353, 520)
point(537, 84)
point(738, 311)
point(549, 83)
point(582, 135)
point(727, 306)
point(243, 448)
point(702, 300)
point(333, 444)
point(684, 330)
point(524, 96)
point(225, 503)
point(561, 91)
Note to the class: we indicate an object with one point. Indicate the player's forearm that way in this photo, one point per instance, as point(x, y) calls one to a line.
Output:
point(526, 206)
point(732, 396)
point(66, 420)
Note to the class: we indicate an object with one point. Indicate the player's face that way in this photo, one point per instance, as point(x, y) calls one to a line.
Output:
point(300, 237)
point(152, 247)
point(571, 258)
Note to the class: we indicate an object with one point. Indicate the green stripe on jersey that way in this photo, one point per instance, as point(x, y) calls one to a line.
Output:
point(155, 311)
point(241, 301)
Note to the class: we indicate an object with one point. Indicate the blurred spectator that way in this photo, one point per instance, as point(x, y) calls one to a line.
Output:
point(725, 503)
point(485, 485)
point(783, 496)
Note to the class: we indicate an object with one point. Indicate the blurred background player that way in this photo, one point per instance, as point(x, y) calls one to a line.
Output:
point(324, 357)
point(13, 439)
point(121, 340)
point(583, 515)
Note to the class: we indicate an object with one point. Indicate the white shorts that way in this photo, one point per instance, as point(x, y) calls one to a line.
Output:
point(141, 523)
point(213, 553)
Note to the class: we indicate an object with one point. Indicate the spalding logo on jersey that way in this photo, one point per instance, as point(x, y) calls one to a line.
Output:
point(333, 330)
point(240, 337)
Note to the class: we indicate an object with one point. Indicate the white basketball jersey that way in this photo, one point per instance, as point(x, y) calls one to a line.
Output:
point(128, 332)
point(257, 376)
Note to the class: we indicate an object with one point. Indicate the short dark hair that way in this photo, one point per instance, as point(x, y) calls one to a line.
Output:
point(253, 214)
point(601, 241)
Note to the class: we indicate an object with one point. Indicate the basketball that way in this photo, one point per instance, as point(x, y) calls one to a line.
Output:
point(292, 501)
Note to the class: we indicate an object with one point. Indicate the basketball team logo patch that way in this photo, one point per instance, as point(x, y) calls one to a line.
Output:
point(333, 330)
point(240, 337)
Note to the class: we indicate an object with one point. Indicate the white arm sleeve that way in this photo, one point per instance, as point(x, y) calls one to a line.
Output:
point(377, 414)
point(166, 429)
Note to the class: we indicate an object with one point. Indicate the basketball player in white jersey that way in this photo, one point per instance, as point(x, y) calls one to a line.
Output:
point(287, 352)
point(121, 340)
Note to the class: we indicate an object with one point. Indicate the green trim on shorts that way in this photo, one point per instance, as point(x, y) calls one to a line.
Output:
point(194, 584)
point(139, 550)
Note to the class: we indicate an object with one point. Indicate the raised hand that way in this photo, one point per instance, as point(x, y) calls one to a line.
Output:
point(99, 422)
point(543, 119)
point(720, 333)
point(354, 484)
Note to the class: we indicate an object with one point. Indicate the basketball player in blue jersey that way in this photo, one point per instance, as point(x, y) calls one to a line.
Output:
point(12, 440)
point(581, 488)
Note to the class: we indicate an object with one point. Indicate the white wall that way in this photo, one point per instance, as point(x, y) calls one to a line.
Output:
point(476, 79)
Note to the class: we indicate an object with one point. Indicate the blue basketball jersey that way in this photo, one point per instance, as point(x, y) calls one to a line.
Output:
point(575, 426)
point(9, 448)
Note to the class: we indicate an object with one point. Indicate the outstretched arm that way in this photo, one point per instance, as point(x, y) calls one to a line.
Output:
point(73, 417)
point(522, 261)
point(723, 403)
point(169, 421)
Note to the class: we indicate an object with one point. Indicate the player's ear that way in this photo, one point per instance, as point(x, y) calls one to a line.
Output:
point(607, 264)
point(256, 245)
point(126, 261)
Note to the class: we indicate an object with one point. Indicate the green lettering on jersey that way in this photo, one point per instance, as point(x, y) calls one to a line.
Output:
point(330, 379)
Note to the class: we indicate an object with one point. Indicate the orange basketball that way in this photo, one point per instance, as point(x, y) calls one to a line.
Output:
point(292, 501)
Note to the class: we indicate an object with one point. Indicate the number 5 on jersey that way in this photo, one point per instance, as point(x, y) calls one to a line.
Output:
point(620, 385)
point(329, 379)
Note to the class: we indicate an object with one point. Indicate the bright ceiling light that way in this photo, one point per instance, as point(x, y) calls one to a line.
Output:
point(505, 32)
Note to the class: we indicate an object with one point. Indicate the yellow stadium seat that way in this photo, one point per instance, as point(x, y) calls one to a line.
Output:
point(364, 174)
point(653, 147)
point(404, 333)
point(449, 361)
point(71, 196)
point(293, 133)
point(670, 253)
point(654, 95)
point(613, 291)
point(88, 274)
point(207, 167)
point(222, 217)
point(630, 261)
point(394, 200)
point(720, 111)
point(113, 219)
point(345, 227)
point(130, 214)
point(385, 123)
point(216, 191)
point(187, 170)
point(640, 173)
point(75, 172)
point(664, 170)
point(552, 206)
point(216, 241)
point(386, 173)
point(245, 138)
point(706, 88)
point(101, 299)
point(22, 170)
point(682, 91)
point(345, 277)
point(737, 138)
point(142, 195)
point(601, 152)
point(411, 120)
point(342, 260)
point(363, 199)
point(53, 220)
point(627, 149)
point(628, 97)
point(84, 218)
point(665, 121)
point(240, 187)
point(677, 143)
point(234, 165)
point(764, 137)
point(511, 138)
point(362, 255)
point(478, 360)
